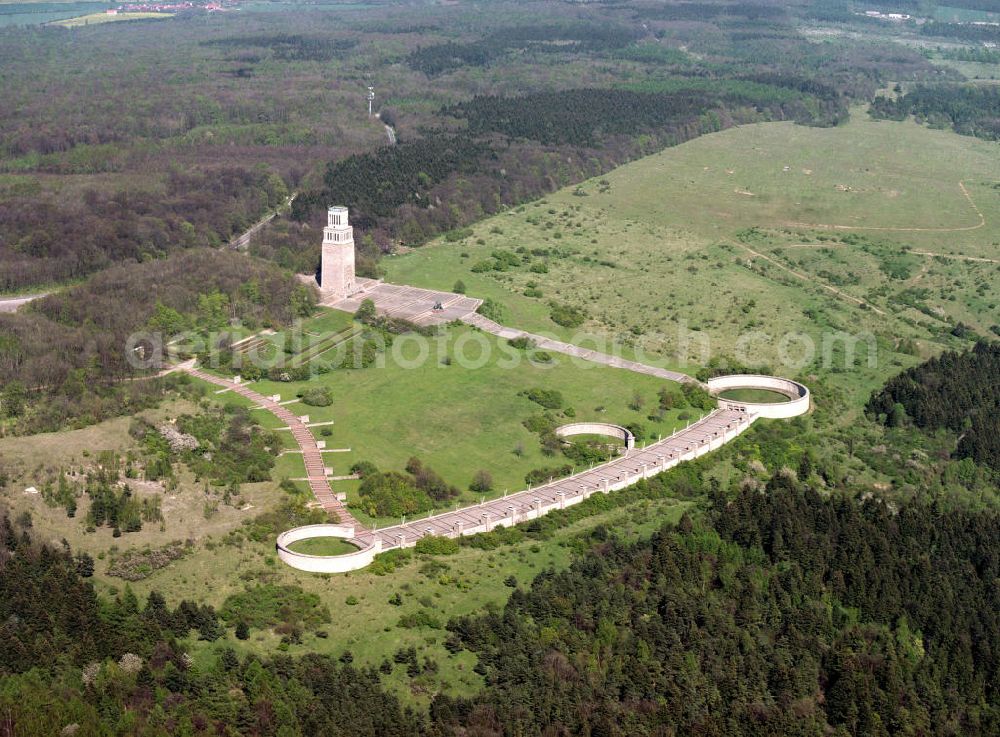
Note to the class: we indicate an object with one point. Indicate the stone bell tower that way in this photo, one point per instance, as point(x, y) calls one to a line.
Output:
point(337, 265)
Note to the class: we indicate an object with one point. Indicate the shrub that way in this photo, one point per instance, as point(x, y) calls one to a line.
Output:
point(522, 343)
point(269, 605)
point(366, 311)
point(542, 475)
point(548, 398)
point(492, 310)
point(389, 561)
point(566, 315)
point(318, 396)
point(391, 494)
point(436, 545)
point(364, 468)
point(420, 618)
point(482, 481)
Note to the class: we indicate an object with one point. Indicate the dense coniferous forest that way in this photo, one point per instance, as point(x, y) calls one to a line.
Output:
point(971, 111)
point(795, 615)
point(956, 391)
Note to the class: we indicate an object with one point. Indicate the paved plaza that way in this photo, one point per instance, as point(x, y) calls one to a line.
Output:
point(414, 304)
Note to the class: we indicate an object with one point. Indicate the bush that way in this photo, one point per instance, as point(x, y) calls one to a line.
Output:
point(542, 475)
point(436, 545)
point(492, 310)
point(566, 315)
point(420, 618)
point(366, 312)
point(319, 396)
point(482, 481)
point(522, 343)
point(270, 605)
point(364, 468)
point(548, 398)
point(392, 494)
point(389, 561)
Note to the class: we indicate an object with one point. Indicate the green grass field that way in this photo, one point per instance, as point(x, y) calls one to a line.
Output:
point(322, 546)
point(94, 19)
point(753, 395)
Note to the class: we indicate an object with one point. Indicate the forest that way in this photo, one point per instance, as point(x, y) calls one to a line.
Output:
point(188, 139)
point(793, 614)
point(959, 392)
point(64, 358)
point(968, 110)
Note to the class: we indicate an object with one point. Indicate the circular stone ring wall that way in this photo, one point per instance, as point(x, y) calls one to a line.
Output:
point(598, 428)
point(798, 395)
point(325, 563)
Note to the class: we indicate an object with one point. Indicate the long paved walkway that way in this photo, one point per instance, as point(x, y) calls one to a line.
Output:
point(311, 453)
point(568, 349)
point(709, 433)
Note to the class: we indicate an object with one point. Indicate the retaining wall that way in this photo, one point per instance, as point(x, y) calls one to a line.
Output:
point(598, 428)
point(798, 395)
point(325, 563)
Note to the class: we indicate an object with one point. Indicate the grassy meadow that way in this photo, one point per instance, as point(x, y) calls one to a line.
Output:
point(723, 246)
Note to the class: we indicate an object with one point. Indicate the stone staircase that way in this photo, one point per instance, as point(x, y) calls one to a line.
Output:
point(311, 454)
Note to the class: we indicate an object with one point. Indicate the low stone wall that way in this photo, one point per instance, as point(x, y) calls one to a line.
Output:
point(325, 563)
point(598, 428)
point(798, 395)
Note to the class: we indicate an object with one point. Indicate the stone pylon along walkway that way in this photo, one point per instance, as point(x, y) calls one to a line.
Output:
point(311, 454)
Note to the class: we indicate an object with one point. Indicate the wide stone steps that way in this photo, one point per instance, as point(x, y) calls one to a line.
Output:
point(311, 457)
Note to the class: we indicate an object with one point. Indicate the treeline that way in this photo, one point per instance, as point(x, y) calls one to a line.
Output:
point(546, 38)
point(695, 11)
point(797, 614)
point(584, 117)
point(65, 355)
point(969, 110)
point(291, 46)
point(374, 184)
point(54, 240)
point(963, 31)
point(955, 391)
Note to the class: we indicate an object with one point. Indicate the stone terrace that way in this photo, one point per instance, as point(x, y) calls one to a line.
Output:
point(408, 303)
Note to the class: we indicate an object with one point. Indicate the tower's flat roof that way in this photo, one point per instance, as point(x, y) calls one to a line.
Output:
point(340, 208)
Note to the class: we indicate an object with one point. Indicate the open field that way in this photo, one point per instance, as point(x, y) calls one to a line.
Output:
point(97, 18)
point(188, 513)
point(687, 253)
point(753, 395)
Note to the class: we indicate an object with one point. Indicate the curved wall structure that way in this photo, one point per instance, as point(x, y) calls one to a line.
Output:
point(597, 428)
point(798, 395)
point(326, 563)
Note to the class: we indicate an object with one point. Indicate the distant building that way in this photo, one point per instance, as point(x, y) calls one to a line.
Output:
point(336, 276)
